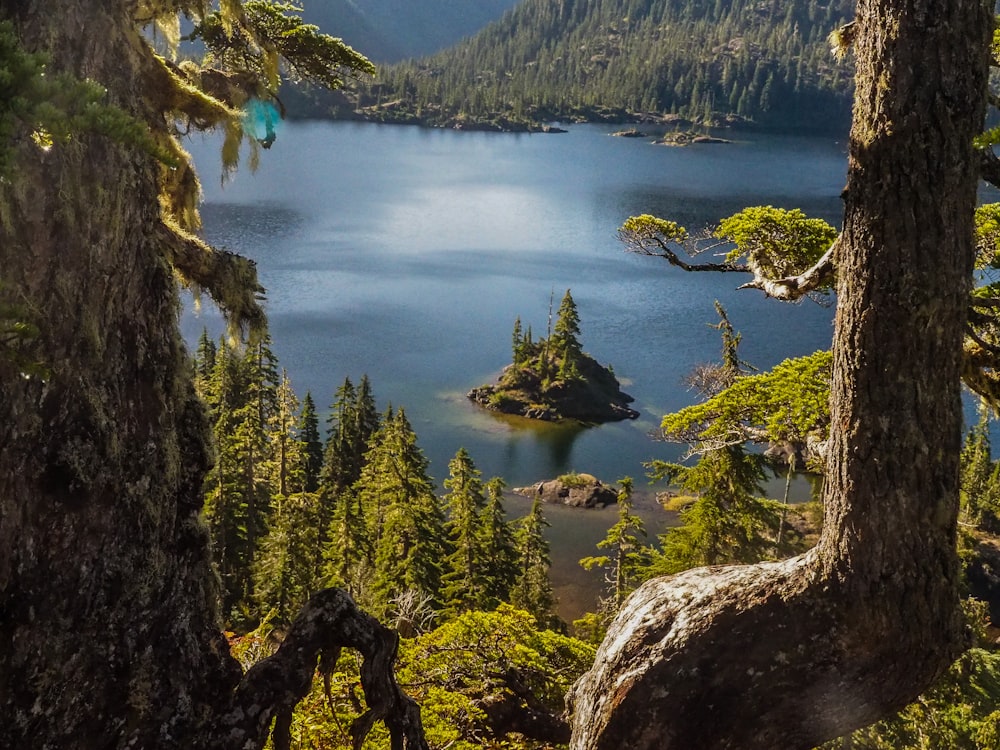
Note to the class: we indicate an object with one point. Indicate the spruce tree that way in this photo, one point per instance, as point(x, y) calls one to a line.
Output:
point(498, 545)
point(627, 554)
point(399, 498)
point(312, 444)
point(463, 583)
point(532, 590)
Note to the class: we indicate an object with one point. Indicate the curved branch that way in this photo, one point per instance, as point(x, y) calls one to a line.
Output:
point(641, 245)
point(271, 688)
point(793, 288)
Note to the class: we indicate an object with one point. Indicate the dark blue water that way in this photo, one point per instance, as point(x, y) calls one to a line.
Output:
point(407, 254)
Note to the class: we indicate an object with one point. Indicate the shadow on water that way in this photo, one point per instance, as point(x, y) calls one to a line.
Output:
point(555, 439)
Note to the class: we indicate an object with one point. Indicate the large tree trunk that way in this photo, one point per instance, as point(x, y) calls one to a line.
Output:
point(109, 634)
point(790, 654)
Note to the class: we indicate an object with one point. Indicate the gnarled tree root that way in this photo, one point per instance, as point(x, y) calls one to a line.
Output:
point(270, 690)
point(688, 654)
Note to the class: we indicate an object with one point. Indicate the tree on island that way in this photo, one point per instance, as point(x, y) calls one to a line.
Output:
point(553, 378)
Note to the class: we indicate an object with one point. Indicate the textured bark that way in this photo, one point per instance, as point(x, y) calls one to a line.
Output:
point(109, 635)
point(793, 653)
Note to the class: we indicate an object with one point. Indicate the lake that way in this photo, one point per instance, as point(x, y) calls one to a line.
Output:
point(407, 254)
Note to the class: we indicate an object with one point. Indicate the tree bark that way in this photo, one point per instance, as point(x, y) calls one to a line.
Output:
point(109, 633)
point(794, 653)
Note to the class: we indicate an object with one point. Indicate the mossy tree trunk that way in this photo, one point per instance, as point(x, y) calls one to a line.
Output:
point(793, 653)
point(109, 635)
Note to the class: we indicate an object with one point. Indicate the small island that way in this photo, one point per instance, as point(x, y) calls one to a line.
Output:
point(553, 379)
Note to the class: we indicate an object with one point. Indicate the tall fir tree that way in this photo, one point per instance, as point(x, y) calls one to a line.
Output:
point(346, 550)
point(627, 553)
point(312, 444)
point(463, 582)
point(405, 513)
point(532, 590)
point(498, 545)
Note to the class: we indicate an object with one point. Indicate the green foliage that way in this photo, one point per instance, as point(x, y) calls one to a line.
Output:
point(788, 404)
point(608, 59)
point(728, 521)
point(464, 585)
point(403, 515)
point(16, 336)
point(268, 32)
point(479, 664)
point(647, 231)
point(498, 546)
point(312, 444)
point(284, 574)
point(775, 242)
point(627, 557)
point(56, 107)
point(532, 590)
point(566, 333)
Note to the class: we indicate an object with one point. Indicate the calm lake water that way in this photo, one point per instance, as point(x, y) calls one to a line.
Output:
point(407, 253)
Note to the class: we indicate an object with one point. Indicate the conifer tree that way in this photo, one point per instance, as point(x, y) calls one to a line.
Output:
point(204, 359)
point(345, 552)
point(463, 582)
point(627, 553)
point(517, 342)
point(728, 520)
point(285, 459)
point(284, 573)
point(405, 513)
point(532, 590)
point(312, 444)
point(498, 545)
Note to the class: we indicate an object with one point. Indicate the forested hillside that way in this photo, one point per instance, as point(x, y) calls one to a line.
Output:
point(391, 30)
point(706, 60)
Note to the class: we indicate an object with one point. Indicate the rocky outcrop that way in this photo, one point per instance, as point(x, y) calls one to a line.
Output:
point(575, 490)
point(594, 396)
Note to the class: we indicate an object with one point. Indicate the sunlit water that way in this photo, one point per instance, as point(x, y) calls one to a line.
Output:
point(407, 253)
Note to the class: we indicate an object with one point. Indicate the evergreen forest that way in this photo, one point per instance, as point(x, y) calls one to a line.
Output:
point(712, 62)
point(194, 555)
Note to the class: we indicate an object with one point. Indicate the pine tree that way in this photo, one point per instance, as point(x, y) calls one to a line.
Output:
point(312, 444)
point(627, 553)
point(532, 590)
point(463, 583)
point(498, 545)
point(566, 337)
point(404, 515)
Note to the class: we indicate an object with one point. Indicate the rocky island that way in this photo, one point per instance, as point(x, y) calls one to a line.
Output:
point(553, 379)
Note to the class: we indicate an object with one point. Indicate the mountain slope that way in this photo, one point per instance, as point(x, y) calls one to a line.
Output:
point(391, 30)
point(763, 60)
